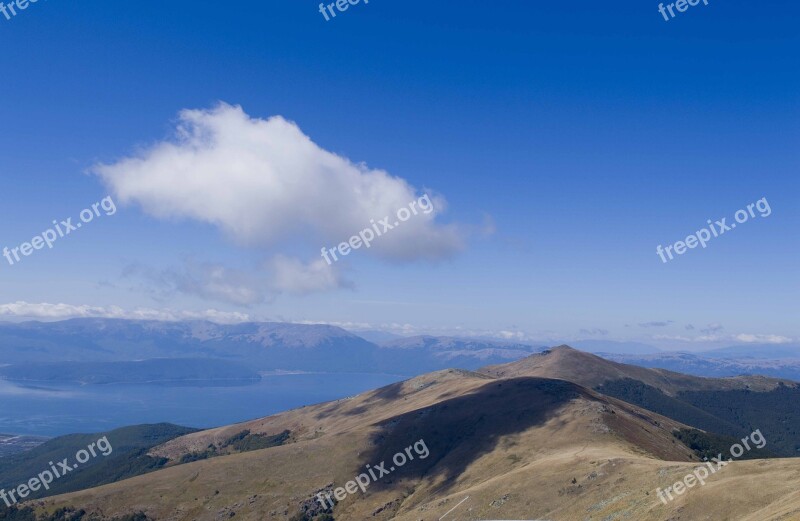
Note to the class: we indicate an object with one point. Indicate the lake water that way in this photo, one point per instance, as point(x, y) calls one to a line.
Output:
point(53, 410)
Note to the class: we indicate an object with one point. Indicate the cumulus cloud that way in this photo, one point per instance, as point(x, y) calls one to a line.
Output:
point(46, 311)
point(262, 181)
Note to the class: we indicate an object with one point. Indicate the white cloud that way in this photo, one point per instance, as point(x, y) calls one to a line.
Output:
point(262, 181)
point(46, 311)
point(763, 339)
point(711, 338)
point(677, 338)
point(207, 281)
point(746, 338)
point(293, 276)
point(512, 335)
point(216, 282)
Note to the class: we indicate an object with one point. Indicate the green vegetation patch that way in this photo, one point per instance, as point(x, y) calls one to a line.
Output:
point(129, 458)
point(243, 441)
point(731, 414)
point(709, 445)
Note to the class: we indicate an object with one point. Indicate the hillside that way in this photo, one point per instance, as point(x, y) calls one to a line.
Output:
point(523, 447)
point(729, 406)
point(517, 446)
point(590, 370)
point(480, 433)
point(127, 457)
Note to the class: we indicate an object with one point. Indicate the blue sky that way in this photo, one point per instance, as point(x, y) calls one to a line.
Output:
point(568, 141)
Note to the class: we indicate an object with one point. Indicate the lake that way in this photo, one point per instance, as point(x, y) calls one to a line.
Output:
point(48, 409)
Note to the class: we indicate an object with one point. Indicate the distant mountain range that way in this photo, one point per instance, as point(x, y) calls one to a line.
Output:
point(102, 351)
point(111, 351)
point(610, 346)
point(760, 351)
point(267, 345)
point(728, 362)
point(446, 352)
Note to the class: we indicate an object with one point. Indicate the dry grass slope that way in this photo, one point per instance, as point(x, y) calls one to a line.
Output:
point(521, 446)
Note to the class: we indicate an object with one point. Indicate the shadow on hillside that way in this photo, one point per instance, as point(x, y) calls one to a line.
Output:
point(378, 398)
point(387, 393)
point(460, 430)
